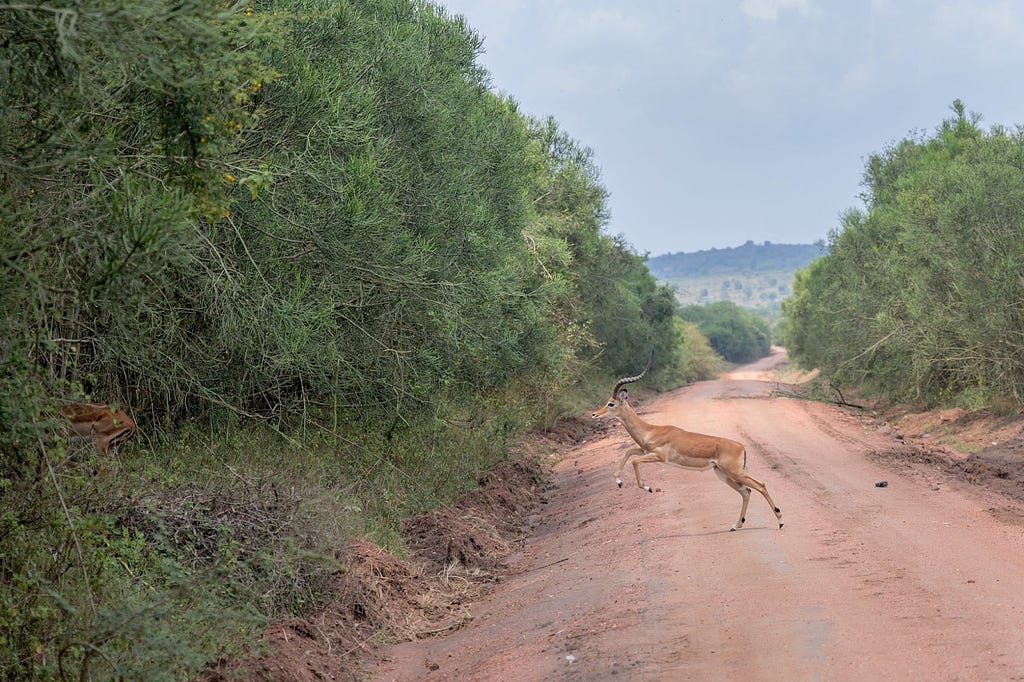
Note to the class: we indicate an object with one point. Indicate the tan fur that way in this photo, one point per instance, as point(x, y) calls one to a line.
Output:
point(103, 424)
point(695, 451)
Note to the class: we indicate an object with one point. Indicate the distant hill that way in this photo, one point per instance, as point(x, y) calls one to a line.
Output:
point(750, 257)
point(753, 275)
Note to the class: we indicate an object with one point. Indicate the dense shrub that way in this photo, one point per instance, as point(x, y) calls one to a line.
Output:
point(918, 293)
point(328, 271)
point(737, 334)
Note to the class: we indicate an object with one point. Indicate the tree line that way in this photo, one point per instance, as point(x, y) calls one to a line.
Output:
point(329, 272)
point(919, 295)
point(748, 257)
point(737, 334)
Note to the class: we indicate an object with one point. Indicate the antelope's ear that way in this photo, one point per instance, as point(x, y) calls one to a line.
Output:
point(623, 394)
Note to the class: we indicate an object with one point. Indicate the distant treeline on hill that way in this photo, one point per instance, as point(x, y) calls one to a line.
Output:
point(750, 257)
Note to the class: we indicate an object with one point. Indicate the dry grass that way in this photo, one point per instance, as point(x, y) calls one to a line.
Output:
point(456, 553)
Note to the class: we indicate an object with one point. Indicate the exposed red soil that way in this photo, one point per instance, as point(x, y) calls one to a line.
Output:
point(458, 554)
point(564, 576)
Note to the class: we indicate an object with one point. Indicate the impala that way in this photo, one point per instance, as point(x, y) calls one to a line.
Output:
point(106, 426)
point(672, 445)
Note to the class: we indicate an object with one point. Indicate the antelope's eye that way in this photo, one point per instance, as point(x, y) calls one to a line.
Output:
point(611, 404)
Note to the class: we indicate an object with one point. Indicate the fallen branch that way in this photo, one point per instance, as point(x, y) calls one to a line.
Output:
point(842, 400)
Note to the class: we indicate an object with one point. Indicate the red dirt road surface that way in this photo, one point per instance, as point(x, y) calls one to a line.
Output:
point(920, 580)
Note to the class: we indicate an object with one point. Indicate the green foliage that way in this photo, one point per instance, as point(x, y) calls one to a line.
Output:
point(738, 335)
point(328, 272)
point(88, 595)
point(621, 313)
point(118, 121)
point(754, 276)
point(375, 264)
point(918, 293)
point(700, 361)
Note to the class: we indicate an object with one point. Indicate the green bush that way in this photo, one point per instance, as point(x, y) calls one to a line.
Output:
point(328, 272)
point(736, 334)
point(915, 296)
point(618, 312)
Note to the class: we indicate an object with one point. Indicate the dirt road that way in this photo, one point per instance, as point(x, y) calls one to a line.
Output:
point(921, 579)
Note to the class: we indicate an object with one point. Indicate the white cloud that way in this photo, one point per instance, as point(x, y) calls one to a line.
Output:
point(614, 27)
point(769, 9)
point(585, 78)
point(857, 79)
point(585, 51)
point(987, 25)
point(773, 64)
point(697, 89)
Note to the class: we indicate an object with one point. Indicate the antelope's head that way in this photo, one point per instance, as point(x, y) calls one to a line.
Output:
point(615, 403)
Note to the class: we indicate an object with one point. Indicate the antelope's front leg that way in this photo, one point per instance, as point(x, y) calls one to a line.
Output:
point(622, 465)
point(636, 468)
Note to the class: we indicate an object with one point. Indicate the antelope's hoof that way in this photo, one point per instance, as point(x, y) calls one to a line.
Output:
point(648, 488)
point(780, 525)
point(618, 482)
point(734, 528)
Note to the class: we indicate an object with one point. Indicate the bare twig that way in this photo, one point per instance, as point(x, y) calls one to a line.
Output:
point(842, 400)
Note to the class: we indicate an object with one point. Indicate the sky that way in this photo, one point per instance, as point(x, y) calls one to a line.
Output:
point(715, 122)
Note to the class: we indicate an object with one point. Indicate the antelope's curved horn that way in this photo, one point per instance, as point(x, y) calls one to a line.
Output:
point(638, 377)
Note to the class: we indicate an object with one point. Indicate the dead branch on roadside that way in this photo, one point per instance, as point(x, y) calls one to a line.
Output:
point(842, 400)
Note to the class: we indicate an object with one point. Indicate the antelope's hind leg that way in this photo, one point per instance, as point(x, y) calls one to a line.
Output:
point(744, 492)
point(760, 487)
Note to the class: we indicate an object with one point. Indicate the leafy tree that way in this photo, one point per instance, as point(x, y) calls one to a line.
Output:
point(915, 295)
point(394, 222)
point(121, 125)
point(293, 237)
point(736, 334)
point(624, 313)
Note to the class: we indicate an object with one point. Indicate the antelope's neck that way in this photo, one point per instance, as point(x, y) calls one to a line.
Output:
point(635, 426)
